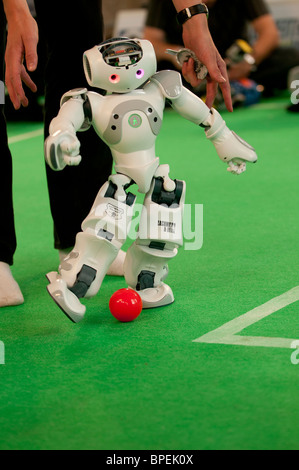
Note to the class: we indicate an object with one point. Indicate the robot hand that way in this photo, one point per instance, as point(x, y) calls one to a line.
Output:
point(62, 149)
point(230, 147)
point(236, 168)
point(183, 55)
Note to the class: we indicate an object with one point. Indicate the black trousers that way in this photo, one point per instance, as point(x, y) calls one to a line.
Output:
point(7, 228)
point(273, 72)
point(67, 28)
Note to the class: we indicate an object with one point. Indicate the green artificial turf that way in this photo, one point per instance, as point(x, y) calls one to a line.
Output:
point(144, 385)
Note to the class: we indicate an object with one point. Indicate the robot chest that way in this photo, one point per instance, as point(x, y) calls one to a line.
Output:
point(131, 120)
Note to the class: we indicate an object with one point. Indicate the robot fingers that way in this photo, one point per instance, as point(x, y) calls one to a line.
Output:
point(72, 161)
point(244, 154)
point(70, 147)
point(236, 168)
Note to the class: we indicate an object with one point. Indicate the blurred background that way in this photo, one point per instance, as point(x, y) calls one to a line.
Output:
point(129, 17)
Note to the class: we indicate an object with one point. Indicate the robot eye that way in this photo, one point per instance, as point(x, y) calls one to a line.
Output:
point(139, 73)
point(114, 78)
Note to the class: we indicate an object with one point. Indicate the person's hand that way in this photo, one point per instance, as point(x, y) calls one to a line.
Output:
point(20, 56)
point(197, 37)
point(239, 71)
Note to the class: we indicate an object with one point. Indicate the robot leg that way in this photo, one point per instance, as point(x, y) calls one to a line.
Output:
point(104, 232)
point(159, 237)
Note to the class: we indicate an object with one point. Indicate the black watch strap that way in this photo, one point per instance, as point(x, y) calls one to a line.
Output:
point(187, 13)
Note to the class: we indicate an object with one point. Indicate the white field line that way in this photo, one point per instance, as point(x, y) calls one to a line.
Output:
point(228, 333)
point(27, 136)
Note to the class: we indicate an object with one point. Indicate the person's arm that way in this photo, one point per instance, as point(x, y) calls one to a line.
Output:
point(21, 50)
point(197, 37)
point(267, 37)
point(267, 40)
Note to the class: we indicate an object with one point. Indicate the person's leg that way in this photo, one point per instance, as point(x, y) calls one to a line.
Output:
point(273, 73)
point(69, 28)
point(10, 293)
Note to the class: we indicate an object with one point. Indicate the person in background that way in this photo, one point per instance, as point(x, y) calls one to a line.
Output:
point(266, 63)
point(67, 29)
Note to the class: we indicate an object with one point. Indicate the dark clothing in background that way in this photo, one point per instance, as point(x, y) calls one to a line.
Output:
point(229, 21)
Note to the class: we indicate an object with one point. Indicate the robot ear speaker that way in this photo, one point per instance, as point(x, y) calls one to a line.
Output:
point(87, 68)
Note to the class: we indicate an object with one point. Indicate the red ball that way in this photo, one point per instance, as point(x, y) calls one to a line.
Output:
point(125, 305)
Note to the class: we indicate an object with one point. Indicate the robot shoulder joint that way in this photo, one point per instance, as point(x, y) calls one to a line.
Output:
point(170, 82)
point(82, 95)
point(76, 94)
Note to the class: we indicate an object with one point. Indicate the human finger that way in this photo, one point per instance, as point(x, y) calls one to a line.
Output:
point(27, 80)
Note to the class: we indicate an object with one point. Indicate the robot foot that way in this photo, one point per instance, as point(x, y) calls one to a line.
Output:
point(156, 296)
point(64, 298)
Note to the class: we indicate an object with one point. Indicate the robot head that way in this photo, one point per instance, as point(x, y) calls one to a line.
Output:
point(120, 65)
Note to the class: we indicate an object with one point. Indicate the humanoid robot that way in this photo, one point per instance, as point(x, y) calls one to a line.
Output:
point(128, 118)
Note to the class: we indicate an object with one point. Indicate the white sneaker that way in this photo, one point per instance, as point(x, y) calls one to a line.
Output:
point(10, 292)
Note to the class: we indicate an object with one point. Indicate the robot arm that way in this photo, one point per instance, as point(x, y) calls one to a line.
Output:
point(62, 147)
point(230, 148)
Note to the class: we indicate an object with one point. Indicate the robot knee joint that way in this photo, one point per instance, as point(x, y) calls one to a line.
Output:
point(84, 280)
point(113, 189)
point(146, 280)
point(170, 199)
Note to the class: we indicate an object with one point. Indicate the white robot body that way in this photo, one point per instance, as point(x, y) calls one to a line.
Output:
point(129, 119)
point(129, 124)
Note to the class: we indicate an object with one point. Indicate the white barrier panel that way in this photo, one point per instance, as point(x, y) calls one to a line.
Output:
point(286, 15)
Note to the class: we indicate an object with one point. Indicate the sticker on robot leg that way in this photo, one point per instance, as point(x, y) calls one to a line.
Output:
point(65, 299)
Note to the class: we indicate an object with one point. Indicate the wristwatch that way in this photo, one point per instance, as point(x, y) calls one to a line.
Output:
point(187, 13)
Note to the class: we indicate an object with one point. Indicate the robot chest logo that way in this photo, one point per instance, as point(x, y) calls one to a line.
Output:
point(135, 120)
